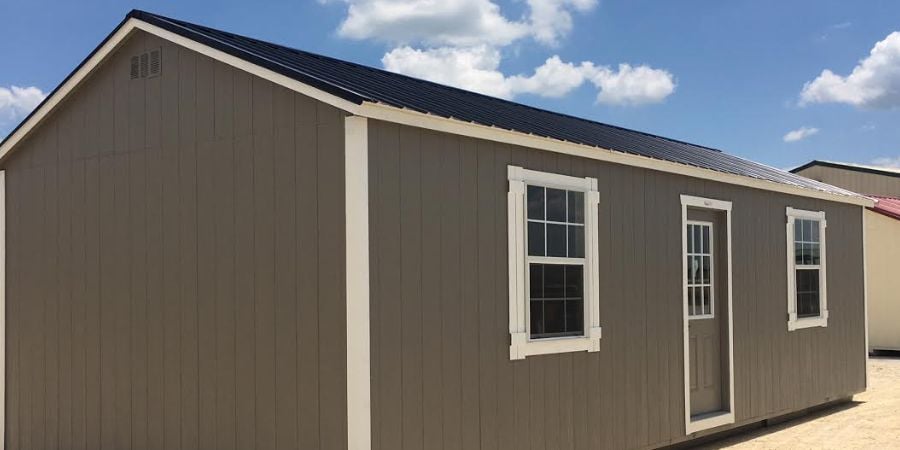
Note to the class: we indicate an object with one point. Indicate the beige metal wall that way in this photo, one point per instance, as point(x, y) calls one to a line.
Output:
point(856, 181)
point(882, 248)
point(175, 265)
point(441, 374)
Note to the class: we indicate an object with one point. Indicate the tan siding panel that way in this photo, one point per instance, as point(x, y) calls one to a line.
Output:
point(451, 249)
point(165, 284)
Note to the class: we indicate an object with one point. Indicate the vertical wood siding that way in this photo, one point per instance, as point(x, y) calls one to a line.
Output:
point(855, 180)
point(176, 258)
point(442, 378)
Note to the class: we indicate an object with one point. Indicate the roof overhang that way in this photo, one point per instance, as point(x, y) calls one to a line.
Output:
point(402, 116)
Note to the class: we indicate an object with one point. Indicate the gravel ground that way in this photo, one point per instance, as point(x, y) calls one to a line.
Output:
point(871, 421)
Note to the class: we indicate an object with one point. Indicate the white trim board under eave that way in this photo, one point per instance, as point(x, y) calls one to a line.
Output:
point(411, 118)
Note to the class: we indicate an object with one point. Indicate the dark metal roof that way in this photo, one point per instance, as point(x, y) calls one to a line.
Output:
point(848, 166)
point(358, 83)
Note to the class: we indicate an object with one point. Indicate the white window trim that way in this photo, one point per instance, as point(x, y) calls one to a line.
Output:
point(712, 271)
point(521, 345)
point(794, 322)
point(719, 418)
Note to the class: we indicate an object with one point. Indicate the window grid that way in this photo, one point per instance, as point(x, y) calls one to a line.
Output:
point(699, 274)
point(538, 261)
point(807, 266)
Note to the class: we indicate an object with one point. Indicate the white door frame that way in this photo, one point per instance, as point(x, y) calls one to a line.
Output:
point(725, 417)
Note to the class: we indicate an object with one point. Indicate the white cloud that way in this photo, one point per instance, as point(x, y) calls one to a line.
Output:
point(800, 134)
point(432, 22)
point(477, 69)
point(474, 68)
point(632, 85)
point(891, 162)
point(457, 22)
point(460, 42)
point(16, 102)
point(873, 84)
point(550, 20)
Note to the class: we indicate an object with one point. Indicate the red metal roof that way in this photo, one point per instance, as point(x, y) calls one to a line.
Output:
point(888, 206)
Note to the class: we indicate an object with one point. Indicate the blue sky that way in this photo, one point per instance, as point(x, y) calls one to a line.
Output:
point(730, 75)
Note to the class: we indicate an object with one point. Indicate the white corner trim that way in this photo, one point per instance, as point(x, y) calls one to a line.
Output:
point(356, 186)
point(521, 346)
point(865, 293)
point(725, 417)
point(2, 309)
point(412, 118)
point(798, 323)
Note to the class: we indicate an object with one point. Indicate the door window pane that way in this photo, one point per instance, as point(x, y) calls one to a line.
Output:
point(699, 269)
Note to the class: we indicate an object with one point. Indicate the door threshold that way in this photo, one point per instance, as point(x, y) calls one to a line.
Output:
point(706, 421)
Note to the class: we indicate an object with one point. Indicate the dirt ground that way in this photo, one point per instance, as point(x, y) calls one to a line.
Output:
point(871, 421)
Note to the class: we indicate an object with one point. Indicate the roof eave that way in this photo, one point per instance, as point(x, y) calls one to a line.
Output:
point(357, 105)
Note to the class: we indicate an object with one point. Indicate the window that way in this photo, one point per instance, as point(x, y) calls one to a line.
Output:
point(700, 290)
point(553, 253)
point(806, 269)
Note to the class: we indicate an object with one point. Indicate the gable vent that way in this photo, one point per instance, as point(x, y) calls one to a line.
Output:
point(145, 60)
point(154, 63)
point(146, 65)
point(134, 67)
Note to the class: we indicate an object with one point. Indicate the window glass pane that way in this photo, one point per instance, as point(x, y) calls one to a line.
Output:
point(693, 300)
point(574, 281)
point(705, 247)
point(697, 239)
point(574, 317)
point(560, 311)
point(807, 230)
point(690, 239)
point(798, 230)
point(687, 269)
point(576, 207)
point(554, 316)
point(707, 300)
point(576, 241)
point(537, 317)
point(814, 231)
point(556, 205)
point(554, 281)
point(696, 270)
point(798, 254)
point(536, 279)
point(705, 264)
point(814, 254)
point(807, 281)
point(556, 240)
point(536, 202)
point(535, 238)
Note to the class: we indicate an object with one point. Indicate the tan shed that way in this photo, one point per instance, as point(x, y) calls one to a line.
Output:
point(882, 241)
point(217, 242)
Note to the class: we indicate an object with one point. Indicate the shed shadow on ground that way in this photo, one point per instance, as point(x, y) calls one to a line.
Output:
point(759, 429)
